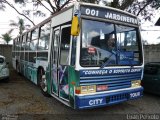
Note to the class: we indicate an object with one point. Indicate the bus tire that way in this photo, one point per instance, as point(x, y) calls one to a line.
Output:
point(42, 82)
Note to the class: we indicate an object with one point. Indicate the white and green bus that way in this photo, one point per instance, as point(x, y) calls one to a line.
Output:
point(85, 56)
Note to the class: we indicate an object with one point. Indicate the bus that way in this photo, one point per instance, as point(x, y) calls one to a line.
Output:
point(85, 56)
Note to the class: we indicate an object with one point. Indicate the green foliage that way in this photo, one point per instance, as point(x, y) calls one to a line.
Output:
point(90, 1)
point(120, 4)
point(2, 6)
point(7, 36)
point(20, 24)
point(145, 42)
point(144, 8)
point(19, 1)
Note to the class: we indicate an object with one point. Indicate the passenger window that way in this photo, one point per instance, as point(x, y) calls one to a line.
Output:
point(27, 42)
point(23, 43)
point(65, 45)
point(42, 55)
point(33, 45)
point(44, 37)
point(34, 40)
point(35, 34)
point(32, 57)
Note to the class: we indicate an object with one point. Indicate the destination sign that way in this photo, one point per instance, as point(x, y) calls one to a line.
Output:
point(108, 14)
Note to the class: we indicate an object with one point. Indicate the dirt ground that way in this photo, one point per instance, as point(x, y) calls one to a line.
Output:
point(19, 96)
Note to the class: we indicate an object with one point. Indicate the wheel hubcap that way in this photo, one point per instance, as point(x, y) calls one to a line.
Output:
point(44, 84)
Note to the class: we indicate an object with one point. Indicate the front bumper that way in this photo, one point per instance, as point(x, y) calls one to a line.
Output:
point(108, 98)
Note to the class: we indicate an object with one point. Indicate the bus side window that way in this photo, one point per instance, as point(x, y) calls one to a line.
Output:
point(44, 37)
point(65, 45)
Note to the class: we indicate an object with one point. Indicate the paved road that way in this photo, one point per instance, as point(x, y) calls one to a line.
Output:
point(21, 99)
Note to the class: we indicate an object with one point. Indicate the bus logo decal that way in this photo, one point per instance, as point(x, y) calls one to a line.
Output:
point(95, 102)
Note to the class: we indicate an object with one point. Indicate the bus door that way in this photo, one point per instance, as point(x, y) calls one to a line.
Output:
point(54, 60)
point(60, 60)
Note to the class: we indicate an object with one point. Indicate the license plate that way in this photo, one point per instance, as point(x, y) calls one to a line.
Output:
point(135, 94)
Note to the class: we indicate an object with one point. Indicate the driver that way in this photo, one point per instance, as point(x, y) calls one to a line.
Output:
point(111, 42)
point(110, 47)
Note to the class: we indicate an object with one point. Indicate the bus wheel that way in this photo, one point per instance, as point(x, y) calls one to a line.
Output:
point(42, 82)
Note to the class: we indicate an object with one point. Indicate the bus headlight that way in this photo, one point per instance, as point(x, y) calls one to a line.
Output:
point(86, 89)
point(92, 88)
point(135, 83)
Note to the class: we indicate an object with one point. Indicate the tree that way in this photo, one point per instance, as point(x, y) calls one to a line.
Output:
point(145, 42)
point(120, 4)
point(90, 1)
point(55, 5)
point(144, 8)
point(20, 24)
point(139, 8)
point(7, 36)
point(3, 4)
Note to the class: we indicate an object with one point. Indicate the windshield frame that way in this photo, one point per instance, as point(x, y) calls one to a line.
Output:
point(138, 36)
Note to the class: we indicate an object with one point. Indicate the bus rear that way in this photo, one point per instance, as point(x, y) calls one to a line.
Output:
point(109, 58)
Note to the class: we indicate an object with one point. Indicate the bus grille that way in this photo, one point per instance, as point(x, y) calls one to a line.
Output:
point(119, 97)
point(112, 81)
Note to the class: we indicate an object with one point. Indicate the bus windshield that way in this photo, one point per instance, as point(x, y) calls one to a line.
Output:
point(108, 44)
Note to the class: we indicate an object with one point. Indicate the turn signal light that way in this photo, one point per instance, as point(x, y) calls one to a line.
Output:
point(77, 90)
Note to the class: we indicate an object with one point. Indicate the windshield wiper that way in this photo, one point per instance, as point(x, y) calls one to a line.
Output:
point(108, 60)
point(115, 53)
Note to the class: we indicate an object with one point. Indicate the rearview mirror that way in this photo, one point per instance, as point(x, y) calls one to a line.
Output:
point(75, 26)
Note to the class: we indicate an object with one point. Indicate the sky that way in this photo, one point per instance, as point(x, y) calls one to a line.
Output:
point(5, 20)
point(149, 32)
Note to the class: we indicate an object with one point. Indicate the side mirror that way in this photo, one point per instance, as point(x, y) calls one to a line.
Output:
point(75, 26)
